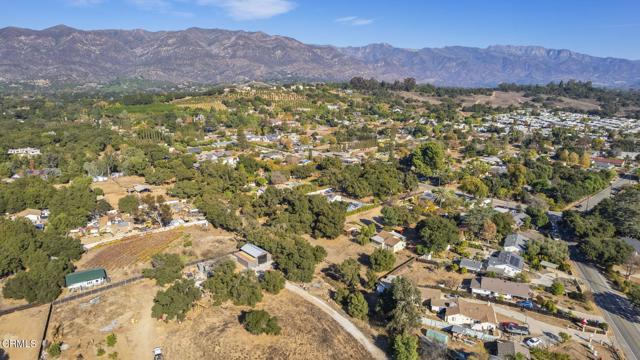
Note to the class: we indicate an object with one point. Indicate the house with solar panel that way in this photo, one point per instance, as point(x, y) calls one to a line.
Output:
point(253, 257)
point(85, 279)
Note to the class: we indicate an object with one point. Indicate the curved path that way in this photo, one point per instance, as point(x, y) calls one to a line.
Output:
point(363, 339)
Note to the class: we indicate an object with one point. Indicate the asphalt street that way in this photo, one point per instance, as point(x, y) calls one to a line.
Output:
point(617, 310)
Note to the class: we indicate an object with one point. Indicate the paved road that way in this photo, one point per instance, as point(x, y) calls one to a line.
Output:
point(593, 200)
point(617, 310)
point(363, 339)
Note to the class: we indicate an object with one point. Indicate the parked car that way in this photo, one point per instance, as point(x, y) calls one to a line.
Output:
point(533, 342)
point(516, 329)
point(526, 304)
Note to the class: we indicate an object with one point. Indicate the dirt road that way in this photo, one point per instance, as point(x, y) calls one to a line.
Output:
point(375, 351)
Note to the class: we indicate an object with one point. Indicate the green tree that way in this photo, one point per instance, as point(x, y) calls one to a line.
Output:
point(436, 233)
point(357, 306)
point(382, 260)
point(402, 305)
point(405, 347)
point(474, 186)
point(538, 216)
point(606, 252)
point(428, 159)
point(365, 234)
point(176, 301)
point(397, 216)
point(557, 288)
point(272, 281)
point(128, 204)
point(349, 272)
point(166, 268)
point(259, 321)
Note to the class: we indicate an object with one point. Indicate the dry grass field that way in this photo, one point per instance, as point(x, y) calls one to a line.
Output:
point(114, 189)
point(208, 333)
point(23, 325)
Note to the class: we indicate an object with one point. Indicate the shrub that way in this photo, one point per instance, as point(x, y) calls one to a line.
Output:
point(112, 339)
point(54, 350)
point(272, 281)
point(382, 260)
point(259, 321)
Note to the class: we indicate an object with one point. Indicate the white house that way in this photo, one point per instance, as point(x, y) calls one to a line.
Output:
point(500, 288)
point(24, 151)
point(479, 316)
point(515, 243)
point(390, 240)
point(506, 264)
point(85, 279)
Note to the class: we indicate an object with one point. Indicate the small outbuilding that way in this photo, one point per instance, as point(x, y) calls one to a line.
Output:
point(253, 257)
point(80, 280)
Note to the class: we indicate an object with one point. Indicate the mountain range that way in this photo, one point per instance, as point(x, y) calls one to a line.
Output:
point(62, 54)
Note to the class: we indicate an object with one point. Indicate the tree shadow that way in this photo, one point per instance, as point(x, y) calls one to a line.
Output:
point(364, 259)
point(616, 304)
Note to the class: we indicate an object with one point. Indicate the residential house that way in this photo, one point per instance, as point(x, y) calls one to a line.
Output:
point(487, 286)
point(505, 263)
point(432, 299)
point(471, 265)
point(607, 163)
point(390, 240)
point(479, 316)
point(385, 283)
point(253, 257)
point(29, 151)
point(508, 350)
point(33, 215)
point(80, 280)
point(515, 243)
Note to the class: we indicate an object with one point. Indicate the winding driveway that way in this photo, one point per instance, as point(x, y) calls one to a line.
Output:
point(346, 324)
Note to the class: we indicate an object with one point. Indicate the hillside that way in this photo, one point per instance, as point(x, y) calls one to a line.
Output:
point(66, 55)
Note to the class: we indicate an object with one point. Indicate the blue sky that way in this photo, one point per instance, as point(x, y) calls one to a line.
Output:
point(596, 27)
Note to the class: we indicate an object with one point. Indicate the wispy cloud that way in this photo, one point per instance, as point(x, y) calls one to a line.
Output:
point(353, 20)
point(84, 3)
point(251, 9)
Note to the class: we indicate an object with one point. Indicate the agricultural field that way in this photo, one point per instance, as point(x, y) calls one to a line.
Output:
point(123, 256)
point(278, 98)
point(208, 332)
point(200, 102)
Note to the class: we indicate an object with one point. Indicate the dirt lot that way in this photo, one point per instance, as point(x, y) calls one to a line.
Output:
point(23, 325)
point(211, 332)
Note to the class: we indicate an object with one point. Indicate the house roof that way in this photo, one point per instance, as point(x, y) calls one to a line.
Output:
point(28, 212)
point(428, 293)
point(506, 258)
point(86, 275)
point(510, 348)
point(517, 240)
point(253, 250)
point(471, 264)
point(482, 312)
point(390, 238)
point(500, 286)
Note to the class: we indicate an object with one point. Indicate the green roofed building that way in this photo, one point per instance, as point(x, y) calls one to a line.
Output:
point(84, 279)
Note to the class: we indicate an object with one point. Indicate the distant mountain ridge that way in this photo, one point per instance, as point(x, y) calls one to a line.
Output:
point(67, 55)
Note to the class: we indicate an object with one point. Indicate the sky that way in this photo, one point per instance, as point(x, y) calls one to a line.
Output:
point(595, 27)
